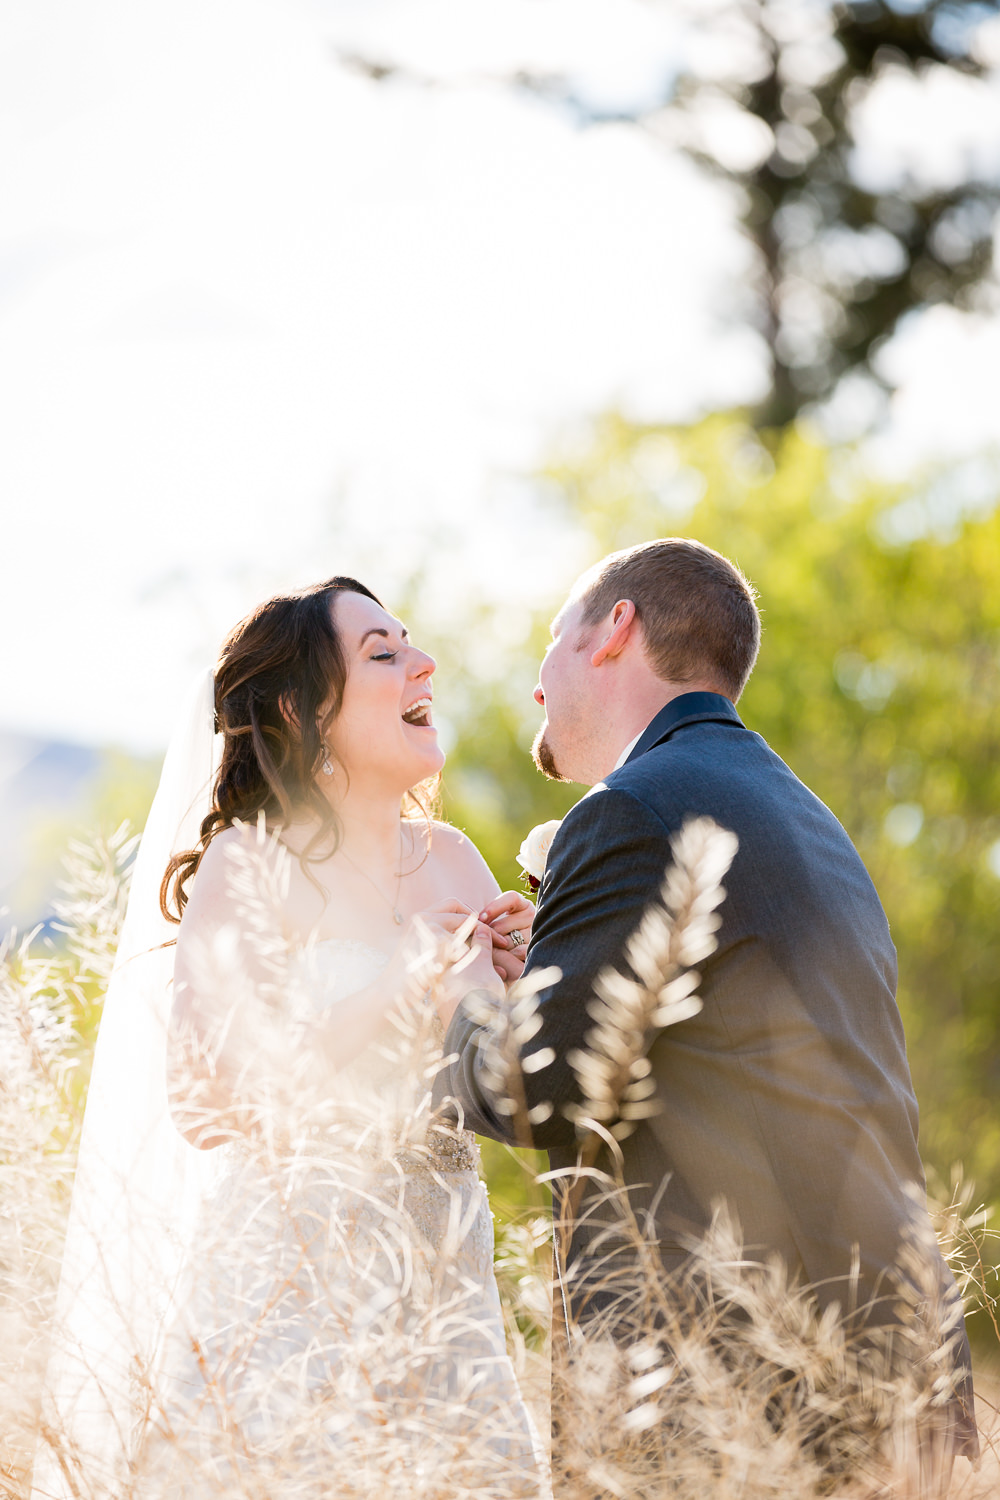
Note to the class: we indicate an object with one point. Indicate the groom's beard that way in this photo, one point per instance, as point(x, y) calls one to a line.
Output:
point(541, 754)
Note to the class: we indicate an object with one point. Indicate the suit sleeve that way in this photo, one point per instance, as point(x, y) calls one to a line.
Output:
point(606, 865)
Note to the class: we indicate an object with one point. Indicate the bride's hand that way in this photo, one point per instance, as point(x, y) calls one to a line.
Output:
point(476, 970)
point(509, 917)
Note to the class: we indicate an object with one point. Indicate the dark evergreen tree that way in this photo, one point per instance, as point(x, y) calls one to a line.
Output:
point(839, 262)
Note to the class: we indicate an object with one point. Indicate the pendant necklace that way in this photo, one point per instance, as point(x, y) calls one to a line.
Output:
point(393, 906)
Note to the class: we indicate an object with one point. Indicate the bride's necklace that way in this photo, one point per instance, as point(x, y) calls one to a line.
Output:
point(397, 915)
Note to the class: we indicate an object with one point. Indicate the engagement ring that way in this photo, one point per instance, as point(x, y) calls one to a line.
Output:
point(516, 938)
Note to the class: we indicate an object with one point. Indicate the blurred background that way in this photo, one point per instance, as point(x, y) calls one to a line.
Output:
point(457, 297)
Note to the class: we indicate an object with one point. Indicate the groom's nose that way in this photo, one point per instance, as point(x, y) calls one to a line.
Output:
point(539, 696)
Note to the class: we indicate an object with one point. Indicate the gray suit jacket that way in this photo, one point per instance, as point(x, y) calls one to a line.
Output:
point(789, 1094)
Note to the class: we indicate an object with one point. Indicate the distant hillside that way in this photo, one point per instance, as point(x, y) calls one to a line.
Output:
point(51, 791)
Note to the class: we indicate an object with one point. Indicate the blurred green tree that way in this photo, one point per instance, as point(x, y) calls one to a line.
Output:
point(878, 683)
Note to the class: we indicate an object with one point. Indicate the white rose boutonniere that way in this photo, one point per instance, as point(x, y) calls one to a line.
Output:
point(534, 852)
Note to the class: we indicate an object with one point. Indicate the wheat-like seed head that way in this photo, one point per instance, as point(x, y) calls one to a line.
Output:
point(733, 1383)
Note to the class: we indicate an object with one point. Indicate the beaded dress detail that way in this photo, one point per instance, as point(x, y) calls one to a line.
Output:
point(339, 1330)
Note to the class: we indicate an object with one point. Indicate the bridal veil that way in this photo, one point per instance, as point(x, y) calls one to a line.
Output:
point(138, 1183)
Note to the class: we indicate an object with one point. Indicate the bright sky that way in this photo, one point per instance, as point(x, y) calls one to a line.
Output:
point(262, 319)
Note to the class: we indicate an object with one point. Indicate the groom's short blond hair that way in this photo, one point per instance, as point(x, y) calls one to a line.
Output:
point(698, 612)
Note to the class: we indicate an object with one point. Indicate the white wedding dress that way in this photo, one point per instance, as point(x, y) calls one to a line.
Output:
point(338, 1331)
point(311, 1313)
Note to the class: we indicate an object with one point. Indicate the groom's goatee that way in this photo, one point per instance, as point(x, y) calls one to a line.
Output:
point(541, 754)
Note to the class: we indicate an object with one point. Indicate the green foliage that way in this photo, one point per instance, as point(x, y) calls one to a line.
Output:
point(878, 682)
point(122, 790)
point(118, 790)
point(487, 671)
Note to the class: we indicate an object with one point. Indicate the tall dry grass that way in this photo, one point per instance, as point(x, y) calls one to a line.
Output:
point(731, 1382)
point(49, 1000)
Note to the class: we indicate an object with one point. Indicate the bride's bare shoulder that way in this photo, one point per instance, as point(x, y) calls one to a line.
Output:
point(242, 841)
point(456, 857)
point(239, 850)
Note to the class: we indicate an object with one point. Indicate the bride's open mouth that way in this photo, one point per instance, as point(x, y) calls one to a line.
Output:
point(418, 715)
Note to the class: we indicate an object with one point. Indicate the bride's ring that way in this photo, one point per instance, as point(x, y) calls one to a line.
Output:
point(516, 938)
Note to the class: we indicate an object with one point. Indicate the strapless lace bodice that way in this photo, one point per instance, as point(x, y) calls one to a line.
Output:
point(333, 969)
point(380, 1097)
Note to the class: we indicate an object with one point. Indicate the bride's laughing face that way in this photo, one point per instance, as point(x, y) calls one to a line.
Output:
point(384, 731)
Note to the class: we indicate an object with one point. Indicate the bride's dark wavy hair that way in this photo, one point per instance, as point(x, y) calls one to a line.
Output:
point(276, 670)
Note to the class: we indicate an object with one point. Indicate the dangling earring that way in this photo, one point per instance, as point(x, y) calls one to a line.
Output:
point(326, 767)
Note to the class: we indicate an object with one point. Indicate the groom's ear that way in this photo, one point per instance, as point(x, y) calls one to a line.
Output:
point(614, 632)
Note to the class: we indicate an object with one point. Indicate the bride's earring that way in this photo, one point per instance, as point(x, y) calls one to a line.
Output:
point(326, 767)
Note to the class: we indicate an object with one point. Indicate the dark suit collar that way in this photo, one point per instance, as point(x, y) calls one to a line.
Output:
point(689, 708)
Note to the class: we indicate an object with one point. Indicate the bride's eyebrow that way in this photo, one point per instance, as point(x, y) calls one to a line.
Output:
point(377, 630)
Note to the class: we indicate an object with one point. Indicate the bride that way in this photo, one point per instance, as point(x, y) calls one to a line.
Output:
point(331, 1323)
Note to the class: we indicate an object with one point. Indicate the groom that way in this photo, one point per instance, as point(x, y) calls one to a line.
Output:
point(788, 1096)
